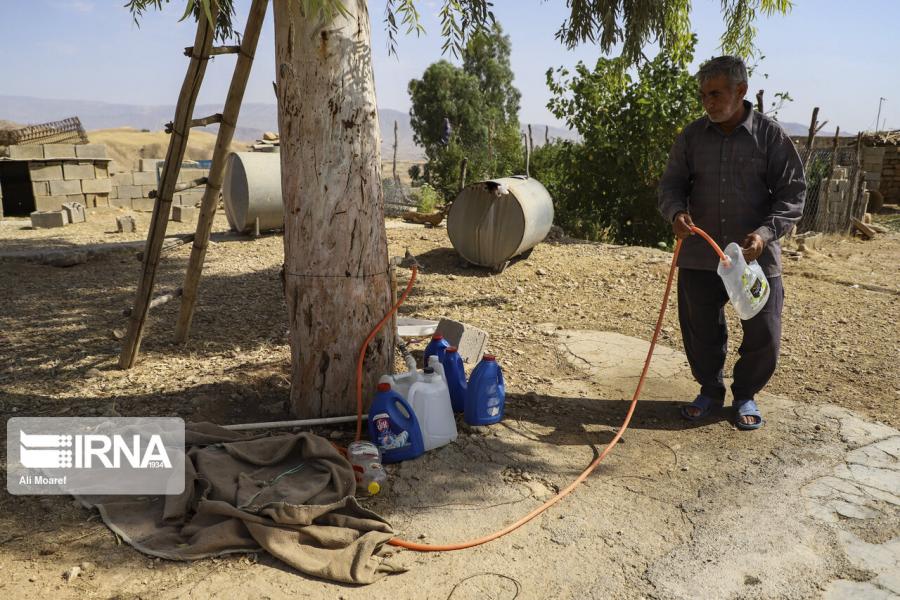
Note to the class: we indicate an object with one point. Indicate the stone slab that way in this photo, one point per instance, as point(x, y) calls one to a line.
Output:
point(40, 188)
point(45, 171)
point(49, 203)
point(144, 178)
point(47, 220)
point(470, 341)
point(26, 152)
point(90, 151)
point(129, 191)
point(124, 178)
point(55, 151)
point(96, 186)
point(125, 224)
point(76, 171)
point(65, 187)
point(148, 164)
point(184, 214)
point(74, 211)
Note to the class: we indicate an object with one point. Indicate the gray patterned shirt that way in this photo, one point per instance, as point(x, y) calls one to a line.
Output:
point(732, 185)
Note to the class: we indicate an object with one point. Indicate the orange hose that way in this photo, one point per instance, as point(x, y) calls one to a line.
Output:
point(362, 352)
point(712, 243)
point(590, 468)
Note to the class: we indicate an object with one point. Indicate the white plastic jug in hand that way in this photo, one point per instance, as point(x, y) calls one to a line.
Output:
point(746, 284)
point(430, 401)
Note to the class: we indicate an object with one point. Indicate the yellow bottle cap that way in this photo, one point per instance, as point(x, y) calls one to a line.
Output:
point(374, 488)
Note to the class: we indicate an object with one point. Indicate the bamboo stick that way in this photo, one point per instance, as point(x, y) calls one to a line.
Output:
point(177, 145)
point(210, 200)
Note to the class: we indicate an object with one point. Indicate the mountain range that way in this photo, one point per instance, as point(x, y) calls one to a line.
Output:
point(255, 118)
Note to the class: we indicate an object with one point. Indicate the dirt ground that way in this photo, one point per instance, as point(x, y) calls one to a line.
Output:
point(611, 539)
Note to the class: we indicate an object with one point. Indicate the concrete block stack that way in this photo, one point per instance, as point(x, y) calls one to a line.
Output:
point(890, 174)
point(872, 164)
point(131, 189)
point(62, 173)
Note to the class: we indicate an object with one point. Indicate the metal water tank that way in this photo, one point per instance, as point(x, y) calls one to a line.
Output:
point(492, 221)
point(252, 189)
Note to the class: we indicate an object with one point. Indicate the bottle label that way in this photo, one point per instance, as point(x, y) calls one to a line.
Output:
point(386, 438)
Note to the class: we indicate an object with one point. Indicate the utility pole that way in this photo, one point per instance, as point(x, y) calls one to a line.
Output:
point(878, 118)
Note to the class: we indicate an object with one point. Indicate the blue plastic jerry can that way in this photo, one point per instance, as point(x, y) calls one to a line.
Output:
point(436, 347)
point(456, 379)
point(485, 394)
point(393, 426)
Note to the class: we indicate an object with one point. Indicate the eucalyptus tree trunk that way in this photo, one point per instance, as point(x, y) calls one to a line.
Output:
point(335, 248)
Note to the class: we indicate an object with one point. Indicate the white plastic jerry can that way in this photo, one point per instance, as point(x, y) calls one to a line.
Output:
point(430, 401)
point(746, 284)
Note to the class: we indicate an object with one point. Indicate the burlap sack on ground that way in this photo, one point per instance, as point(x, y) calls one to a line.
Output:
point(290, 495)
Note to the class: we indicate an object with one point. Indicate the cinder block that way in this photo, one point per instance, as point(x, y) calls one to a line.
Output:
point(64, 188)
point(471, 342)
point(184, 214)
point(46, 220)
point(114, 167)
point(54, 151)
point(124, 178)
point(101, 171)
point(143, 204)
point(146, 189)
point(45, 171)
point(190, 174)
point(75, 171)
point(125, 224)
point(49, 203)
point(26, 152)
point(96, 186)
point(120, 202)
point(129, 191)
point(40, 188)
point(144, 178)
point(75, 212)
point(149, 164)
point(90, 151)
point(99, 199)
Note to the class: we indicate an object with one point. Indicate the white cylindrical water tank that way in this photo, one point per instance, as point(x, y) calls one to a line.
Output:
point(252, 189)
point(492, 221)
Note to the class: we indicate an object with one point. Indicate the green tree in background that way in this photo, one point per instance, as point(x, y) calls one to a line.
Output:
point(605, 185)
point(482, 105)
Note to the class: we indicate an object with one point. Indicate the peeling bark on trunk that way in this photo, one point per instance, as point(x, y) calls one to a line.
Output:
point(336, 263)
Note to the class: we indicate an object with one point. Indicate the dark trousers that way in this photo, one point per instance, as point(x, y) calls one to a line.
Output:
point(701, 312)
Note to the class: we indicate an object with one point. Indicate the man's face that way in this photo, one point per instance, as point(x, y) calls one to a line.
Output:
point(721, 100)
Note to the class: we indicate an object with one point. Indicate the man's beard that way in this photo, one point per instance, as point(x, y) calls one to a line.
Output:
point(722, 116)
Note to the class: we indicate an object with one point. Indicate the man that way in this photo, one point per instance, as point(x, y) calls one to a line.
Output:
point(736, 175)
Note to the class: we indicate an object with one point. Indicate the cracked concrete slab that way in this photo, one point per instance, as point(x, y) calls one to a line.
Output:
point(786, 531)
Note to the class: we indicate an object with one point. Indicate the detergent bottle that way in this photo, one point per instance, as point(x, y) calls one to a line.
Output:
point(746, 284)
point(485, 394)
point(436, 347)
point(366, 462)
point(430, 401)
point(393, 426)
point(455, 374)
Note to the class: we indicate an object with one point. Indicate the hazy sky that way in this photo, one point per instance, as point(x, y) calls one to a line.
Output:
point(836, 54)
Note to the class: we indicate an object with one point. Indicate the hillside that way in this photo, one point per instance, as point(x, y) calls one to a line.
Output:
point(125, 144)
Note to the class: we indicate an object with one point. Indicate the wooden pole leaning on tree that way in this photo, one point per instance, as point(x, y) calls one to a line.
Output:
point(217, 169)
point(177, 145)
point(811, 136)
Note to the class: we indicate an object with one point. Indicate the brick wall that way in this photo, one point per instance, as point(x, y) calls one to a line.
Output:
point(890, 174)
point(65, 173)
point(131, 189)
